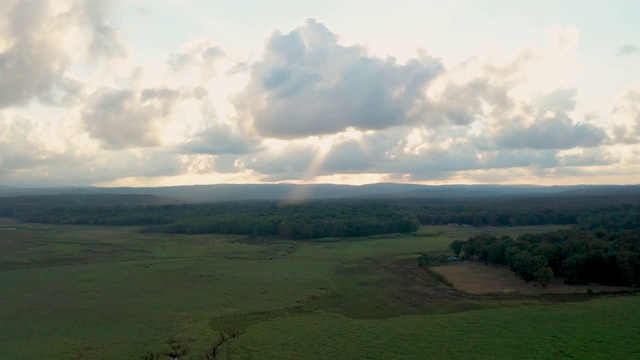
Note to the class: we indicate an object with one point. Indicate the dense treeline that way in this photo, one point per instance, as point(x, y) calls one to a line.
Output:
point(512, 211)
point(294, 227)
point(310, 220)
point(497, 217)
point(604, 248)
point(105, 209)
point(307, 220)
point(515, 211)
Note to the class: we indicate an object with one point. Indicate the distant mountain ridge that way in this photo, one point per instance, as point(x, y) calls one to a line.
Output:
point(286, 191)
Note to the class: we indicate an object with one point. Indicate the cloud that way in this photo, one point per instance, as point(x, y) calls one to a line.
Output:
point(125, 118)
point(462, 104)
point(588, 157)
point(309, 108)
point(202, 54)
point(308, 84)
point(33, 62)
point(39, 42)
point(628, 49)
point(435, 156)
point(475, 89)
point(348, 157)
point(555, 133)
point(625, 123)
point(562, 37)
point(218, 138)
point(288, 163)
point(34, 154)
point(559, 101)
point(552, 127)
point(105, 37)
point(529, 135)
point(104, 166)
point(18, 151)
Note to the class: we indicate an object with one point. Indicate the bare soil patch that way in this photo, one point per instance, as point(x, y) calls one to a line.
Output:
point(475, 278)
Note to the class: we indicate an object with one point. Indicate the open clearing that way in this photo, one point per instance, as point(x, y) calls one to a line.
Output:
point(87, 292)
point(476, 278)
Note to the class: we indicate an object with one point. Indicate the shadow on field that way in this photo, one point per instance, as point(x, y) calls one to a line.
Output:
point(376, 289)
point(384, 288)
point(381, 288)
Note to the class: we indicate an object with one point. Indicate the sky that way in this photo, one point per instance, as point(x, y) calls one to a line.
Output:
point(179, 92)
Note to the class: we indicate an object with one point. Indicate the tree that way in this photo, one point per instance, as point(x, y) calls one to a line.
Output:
point(495, 252)
point(456, 247)
point(573, 268)
point(543, 276)
point(423, 260)
point(286, 229)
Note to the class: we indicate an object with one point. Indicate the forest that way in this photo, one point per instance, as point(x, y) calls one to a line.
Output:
point(603, 247)
point(351, 217)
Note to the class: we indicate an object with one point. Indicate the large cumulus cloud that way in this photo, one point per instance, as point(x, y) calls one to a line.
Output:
point(626, 116)
point(218, 138)
point(35, 50)
point(552, 127)
point(125, 118)
point(474, 89)
point(32, 61)
point(416, 121)
point(310, 84)
point(105, 37)
point(33, 153)
point(18, 150)
point(310, 107)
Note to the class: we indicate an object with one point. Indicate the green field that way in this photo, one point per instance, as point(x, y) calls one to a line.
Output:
point(603, 329)
point(72, 292)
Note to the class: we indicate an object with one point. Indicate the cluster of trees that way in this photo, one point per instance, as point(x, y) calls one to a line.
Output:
point(294, 221)
point(492, 216)
point(309, 220)
point(514, 210)
point(294, 227)
point(145, 210)
point(604, 248)
point(528, 265)
point(319, 218)
point(622, 217)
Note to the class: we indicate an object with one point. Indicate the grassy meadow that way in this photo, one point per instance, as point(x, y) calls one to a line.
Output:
point(80, 292)
point(603, 329)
